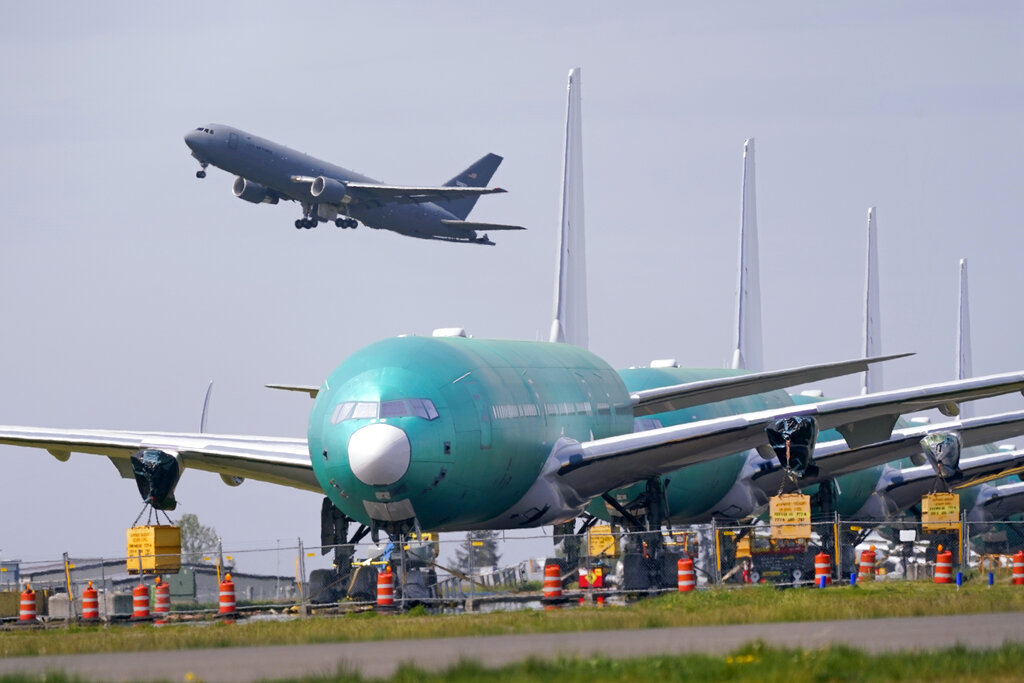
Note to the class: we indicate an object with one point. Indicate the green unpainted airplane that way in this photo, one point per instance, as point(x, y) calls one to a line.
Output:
point(456, 433)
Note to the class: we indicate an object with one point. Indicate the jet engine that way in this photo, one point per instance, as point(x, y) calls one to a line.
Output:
point(943, 453)
point(252, 192)
point(156, 474)
point(330, 191)
point(793, 440)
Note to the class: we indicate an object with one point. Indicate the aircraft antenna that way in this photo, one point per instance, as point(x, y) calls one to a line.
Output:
point(570, 315)
point(748, 353)
point(872, 380)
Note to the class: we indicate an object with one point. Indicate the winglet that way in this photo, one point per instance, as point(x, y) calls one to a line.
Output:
point(747, 351)
point(570, 316)
point(872, 381)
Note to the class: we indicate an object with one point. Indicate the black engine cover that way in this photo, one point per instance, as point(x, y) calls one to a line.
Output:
point(156, 474)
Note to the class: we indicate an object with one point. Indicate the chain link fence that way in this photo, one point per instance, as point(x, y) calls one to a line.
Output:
point(602, 559)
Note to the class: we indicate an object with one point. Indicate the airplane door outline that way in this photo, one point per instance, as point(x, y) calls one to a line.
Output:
point(233, 140)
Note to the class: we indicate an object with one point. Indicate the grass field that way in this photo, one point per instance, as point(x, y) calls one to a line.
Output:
point(711, 607)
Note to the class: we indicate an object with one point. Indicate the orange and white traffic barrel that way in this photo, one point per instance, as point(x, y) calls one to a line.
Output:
point(161, 601)
point(822, 568)
point(597, 581)
point(386, 588)
point(227, 598)
point(1018, 568)
point(552, 584)
point(685, 578)
point(867, 565)
point(27, 612)
point(90, 604)
point(944, 567)
point(140, 603)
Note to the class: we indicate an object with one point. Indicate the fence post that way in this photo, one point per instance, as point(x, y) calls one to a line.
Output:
point(301, 567)
point(837, 547)
point(716, 554)
point(71, 593)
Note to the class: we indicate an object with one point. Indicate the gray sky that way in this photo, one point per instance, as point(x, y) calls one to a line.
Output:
point(127, 284)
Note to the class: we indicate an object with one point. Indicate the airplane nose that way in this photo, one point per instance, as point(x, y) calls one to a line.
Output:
point(191, 138)
point(379, 454)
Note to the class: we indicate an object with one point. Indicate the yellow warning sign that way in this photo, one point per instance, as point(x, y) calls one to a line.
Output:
point(159, 547)
point(940, 512)
point(600, 541)
point(790, 515)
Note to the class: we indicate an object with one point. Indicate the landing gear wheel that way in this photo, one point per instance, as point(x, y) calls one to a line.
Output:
point(340, 222)
point(200, 174)
point(298, 224)
point(352, 223)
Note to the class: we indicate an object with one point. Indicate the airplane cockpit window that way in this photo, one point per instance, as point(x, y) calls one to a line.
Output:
point(409, 407)
point(369, 410)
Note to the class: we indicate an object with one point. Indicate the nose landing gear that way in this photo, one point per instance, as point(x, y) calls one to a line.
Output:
point(201, 173)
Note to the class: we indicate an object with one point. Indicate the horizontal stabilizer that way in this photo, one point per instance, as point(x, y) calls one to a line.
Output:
point(680, 396)
point(469, 225)
point(310, 389)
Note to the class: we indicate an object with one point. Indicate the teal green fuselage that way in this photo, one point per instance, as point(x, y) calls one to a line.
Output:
point(501, 405)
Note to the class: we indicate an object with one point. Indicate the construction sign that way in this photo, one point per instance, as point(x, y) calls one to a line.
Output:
point(601, 542)
point(790, 516)
point(940, 512)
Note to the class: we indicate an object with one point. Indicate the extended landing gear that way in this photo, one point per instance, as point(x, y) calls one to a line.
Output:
point(201, 173)
point(307, 223)
point(346, 223)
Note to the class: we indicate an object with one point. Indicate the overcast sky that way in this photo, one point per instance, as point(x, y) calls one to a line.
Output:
point(126, 284)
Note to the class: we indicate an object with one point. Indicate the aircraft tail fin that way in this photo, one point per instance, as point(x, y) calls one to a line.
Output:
point(748, 352)
point(963, 335)
point(477, 175)
point(570, 324)
point(872, 316)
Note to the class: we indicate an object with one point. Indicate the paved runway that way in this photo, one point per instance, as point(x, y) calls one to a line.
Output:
point(378, 659)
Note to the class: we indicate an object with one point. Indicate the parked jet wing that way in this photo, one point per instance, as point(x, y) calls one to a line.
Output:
point(835, 458)
point(276, 460)
point(595, 467)
point(905, 487)
point(679, 396)
point(1002, 502)
point(310, 389)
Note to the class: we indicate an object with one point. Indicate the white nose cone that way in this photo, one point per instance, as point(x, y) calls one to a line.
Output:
point(379, 454)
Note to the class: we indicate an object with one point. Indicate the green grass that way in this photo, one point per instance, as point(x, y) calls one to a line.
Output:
point(712, 607)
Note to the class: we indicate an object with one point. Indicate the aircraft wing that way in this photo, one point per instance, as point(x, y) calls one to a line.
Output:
point(905, 487)
point(594, 467)
point(835, 458)
point(276, 460)
point(471, 226)
point(677, 397)
point(1004, 501)
point(310, 389)
point(370, 194)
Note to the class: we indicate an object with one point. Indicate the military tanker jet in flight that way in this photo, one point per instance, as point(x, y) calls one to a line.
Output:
point(268, 172)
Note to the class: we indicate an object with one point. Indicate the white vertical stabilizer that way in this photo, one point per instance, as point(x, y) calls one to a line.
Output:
point(963, 339)
point(570, 317)
point(872, 381)
point(748, 352)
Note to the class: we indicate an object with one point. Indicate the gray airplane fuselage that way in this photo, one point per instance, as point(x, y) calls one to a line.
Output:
point(274, 167)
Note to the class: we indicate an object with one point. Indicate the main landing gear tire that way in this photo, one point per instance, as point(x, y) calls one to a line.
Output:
point(305, 223)
point(346, 223)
